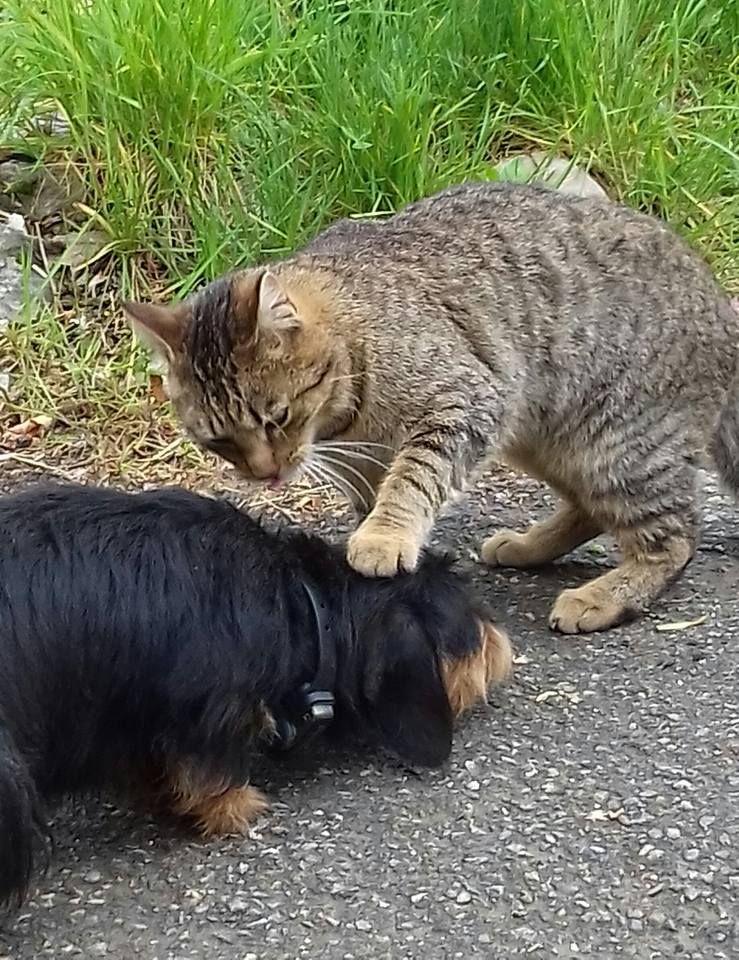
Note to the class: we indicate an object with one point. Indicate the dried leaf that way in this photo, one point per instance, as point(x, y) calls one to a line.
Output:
point(156, 388)
point(604, 816)
point(570, 695)
point(33, 427)
point(681, 624)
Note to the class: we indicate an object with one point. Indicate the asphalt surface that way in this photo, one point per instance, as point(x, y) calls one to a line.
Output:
point(592, 809)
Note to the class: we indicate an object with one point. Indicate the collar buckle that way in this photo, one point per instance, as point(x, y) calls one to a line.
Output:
point(320, 704)
point(317, 715)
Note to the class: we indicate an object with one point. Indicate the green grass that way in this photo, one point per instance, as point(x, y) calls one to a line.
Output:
point(217, 132)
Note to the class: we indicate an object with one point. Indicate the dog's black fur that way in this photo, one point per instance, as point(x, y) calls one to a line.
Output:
point(137, 630)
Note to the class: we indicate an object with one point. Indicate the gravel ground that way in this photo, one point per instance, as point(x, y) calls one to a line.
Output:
point(592, 809)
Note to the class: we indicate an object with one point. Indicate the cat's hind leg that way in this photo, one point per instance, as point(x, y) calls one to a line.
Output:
point(656, 524)
point(543, 542)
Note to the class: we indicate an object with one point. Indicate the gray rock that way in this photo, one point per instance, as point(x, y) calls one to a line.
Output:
point(58, 189)
point(76, 250)
point(13, 236)
point(18, 179)
point(14, 287)
point(557, 172)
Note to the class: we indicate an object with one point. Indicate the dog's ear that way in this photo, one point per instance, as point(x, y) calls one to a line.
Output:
point(404, 685)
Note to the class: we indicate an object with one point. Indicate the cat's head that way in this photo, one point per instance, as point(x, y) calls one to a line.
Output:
point(252, 369)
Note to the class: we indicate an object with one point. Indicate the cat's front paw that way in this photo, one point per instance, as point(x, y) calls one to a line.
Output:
point(382, 553)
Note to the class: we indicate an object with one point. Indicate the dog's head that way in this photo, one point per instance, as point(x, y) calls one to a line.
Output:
point(429, 653)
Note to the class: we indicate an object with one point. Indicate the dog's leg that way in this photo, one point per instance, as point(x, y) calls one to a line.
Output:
point(230, 812)
point(218, 810)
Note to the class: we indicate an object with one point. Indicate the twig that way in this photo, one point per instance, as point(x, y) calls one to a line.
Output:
point(166, 452)
point(38, 465)
point(45, 260)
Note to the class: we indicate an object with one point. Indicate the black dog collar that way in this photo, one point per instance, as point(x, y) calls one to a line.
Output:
point(312, 710)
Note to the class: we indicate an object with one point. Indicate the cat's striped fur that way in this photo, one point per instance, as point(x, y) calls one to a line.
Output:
point(574, 338)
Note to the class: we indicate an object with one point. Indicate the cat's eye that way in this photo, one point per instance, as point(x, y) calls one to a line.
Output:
point(317, 382)
point(224, 447)
point(280, 417)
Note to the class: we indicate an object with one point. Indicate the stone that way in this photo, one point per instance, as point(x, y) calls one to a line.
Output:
point(18, 179)
point(556, 172)
point(13, 235)
point(59, 188)
point(15, 286)
point(77, 250)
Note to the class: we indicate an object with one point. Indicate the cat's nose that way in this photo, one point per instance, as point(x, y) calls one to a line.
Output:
point(263, 466)
point(268, 476)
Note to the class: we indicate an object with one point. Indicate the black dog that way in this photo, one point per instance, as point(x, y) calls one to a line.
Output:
point(165, 637)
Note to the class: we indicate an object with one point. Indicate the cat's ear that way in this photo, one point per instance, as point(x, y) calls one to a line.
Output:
point(276, 313)
point(161, 329)
point(261, 305)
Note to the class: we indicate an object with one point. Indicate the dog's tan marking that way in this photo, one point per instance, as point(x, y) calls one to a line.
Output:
point(217, 809)
point(467, 680)
point(231, 812)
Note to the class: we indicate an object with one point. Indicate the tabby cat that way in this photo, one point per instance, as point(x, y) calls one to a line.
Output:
point(575, 339)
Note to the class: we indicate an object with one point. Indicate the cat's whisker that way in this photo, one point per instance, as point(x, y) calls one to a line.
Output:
point(347, 466)
point(317, 477)
point(324, 474)
point(343, 484)
point(314, 475)
point(359, 443)
point(352, 454)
